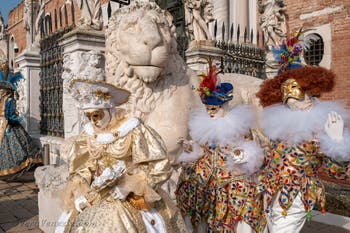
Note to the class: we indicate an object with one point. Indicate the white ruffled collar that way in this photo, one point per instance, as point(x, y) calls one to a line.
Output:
point(281, 123)
point(225, 130)
point(109, 137)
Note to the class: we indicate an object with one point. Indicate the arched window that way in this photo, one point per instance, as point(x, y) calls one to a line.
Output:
point(48, 24)
point(12, 52)
point(313, 56)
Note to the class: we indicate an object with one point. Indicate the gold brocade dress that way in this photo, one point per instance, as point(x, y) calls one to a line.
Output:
point(147, 167)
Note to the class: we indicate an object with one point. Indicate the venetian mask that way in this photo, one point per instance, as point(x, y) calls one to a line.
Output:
point(99, 117)
point(291, 89)
point(213, 109)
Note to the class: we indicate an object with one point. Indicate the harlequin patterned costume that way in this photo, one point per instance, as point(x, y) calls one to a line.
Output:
point(218, 185)
point(299, 148)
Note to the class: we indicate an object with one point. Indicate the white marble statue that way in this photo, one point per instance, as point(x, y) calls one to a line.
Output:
point(273, 21)
point(83, 65)
point(274, 26)
point(141, 56)
point(91, 14)
point(198, 13)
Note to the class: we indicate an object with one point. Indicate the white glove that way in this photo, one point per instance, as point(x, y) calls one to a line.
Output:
point(81, 203)
point(109, 174)
point(186, 144)
point(119, 168)
point(99, 181)
point(334, 127)
point(236, 155)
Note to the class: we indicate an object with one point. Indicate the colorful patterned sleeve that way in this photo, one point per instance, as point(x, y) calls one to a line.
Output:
point(337, 169)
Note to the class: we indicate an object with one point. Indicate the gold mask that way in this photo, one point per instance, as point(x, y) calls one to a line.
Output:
point(213, 109)
point(95, 116)
point(291, 89)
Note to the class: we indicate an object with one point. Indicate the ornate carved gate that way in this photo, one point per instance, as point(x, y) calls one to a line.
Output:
point(51, 86)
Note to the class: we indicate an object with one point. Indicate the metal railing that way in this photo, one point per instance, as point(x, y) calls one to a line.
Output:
point(242, 54)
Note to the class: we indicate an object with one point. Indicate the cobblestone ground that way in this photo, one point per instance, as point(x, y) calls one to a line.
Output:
point(19, 209)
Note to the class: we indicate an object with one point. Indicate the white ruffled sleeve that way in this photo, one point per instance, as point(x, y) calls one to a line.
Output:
point(336, 150)
point(248, 161)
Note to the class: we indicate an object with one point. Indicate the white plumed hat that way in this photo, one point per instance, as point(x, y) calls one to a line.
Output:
point(97, 94)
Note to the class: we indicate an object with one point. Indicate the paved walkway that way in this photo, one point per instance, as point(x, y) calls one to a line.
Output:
point(316, 227)
point(19, 209)
point(18, 205)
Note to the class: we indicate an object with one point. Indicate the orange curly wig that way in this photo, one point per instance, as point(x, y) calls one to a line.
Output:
point(313, 80)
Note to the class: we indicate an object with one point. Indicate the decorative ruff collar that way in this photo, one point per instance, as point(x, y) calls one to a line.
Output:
point(109, 137)
point(225, 130)
point(281, 123)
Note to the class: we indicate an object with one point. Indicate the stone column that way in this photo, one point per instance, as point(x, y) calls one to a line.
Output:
point(79, 62)
point(29, 90)
point(221, 14)
point(239, 15)
point(253, 19)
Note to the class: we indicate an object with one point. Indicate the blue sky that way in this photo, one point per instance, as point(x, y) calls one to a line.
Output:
point(6, 6)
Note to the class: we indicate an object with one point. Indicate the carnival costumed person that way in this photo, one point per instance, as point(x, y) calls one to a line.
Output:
point(17, 150)
point(305, 134)
point(216, 189)
point(116, 168)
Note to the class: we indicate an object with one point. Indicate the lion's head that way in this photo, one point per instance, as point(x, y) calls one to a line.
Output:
point(141, 54)
point(141, 37)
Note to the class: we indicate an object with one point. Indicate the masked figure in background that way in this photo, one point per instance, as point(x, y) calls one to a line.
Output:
point(305, 134)
point(117, 166)
point(217, 188)
point(17, 150)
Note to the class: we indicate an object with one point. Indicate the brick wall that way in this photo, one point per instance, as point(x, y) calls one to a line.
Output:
point(339, 21)
point(340, 31)
point(58, 5)
point(16, 26)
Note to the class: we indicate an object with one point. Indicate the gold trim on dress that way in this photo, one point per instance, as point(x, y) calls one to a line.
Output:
point(20, 167)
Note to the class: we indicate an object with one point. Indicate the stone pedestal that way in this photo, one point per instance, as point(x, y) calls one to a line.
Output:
point(82, 59)
point(198, 53)
point(28, 90)
point(271, 65)
point(51, 181)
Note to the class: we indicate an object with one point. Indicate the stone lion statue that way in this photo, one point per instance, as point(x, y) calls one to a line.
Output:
point(142, 57)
